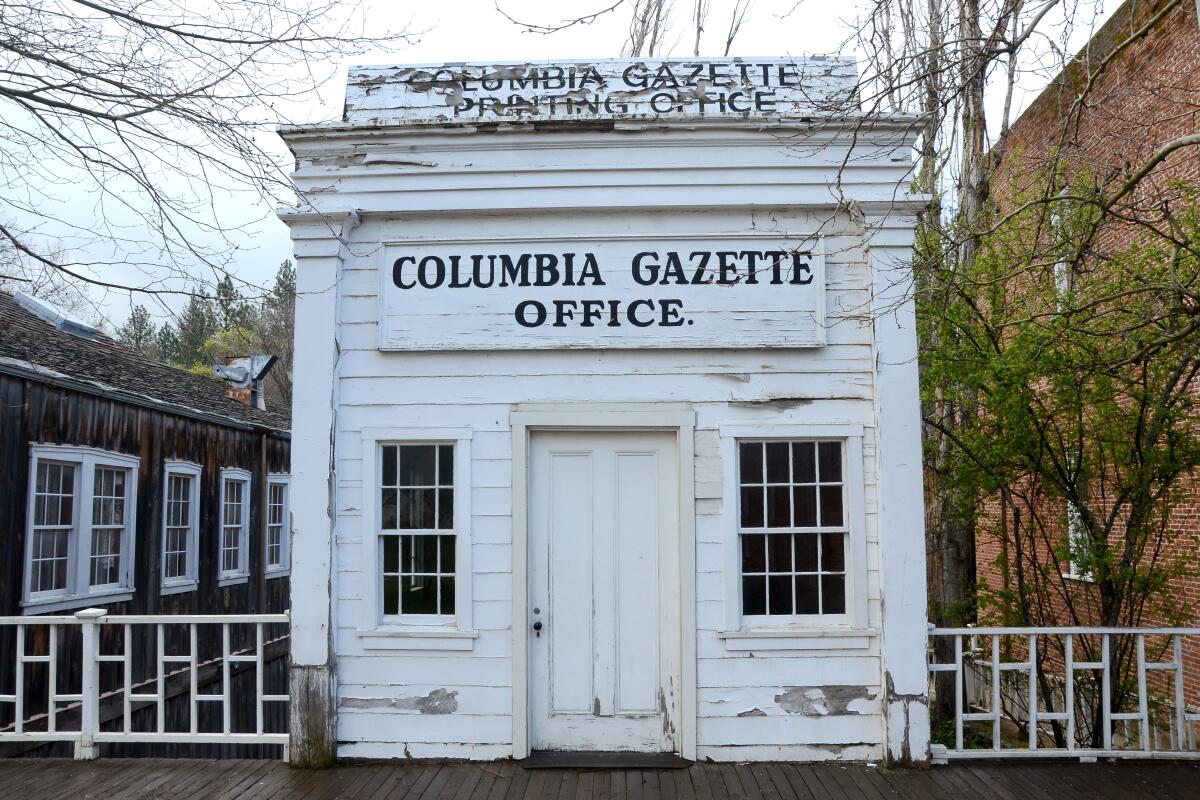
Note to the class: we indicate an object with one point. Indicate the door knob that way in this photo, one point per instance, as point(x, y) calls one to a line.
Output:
point(537, 628)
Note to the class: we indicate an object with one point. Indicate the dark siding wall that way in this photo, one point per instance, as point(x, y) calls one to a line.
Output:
point(34, 413)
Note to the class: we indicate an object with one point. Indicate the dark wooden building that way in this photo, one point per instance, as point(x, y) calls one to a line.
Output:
point(130, 485)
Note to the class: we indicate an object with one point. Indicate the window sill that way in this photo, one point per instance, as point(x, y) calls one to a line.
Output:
point(74, 602)
point(798, 638)
point(394, 638)
point(1078, 578)
point(278, 573)
point(177, 588)
point(232, 580)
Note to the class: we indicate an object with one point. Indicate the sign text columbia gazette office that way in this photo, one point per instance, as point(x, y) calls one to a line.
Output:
point(606, 435)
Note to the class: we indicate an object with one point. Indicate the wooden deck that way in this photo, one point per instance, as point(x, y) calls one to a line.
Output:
point(133, 779)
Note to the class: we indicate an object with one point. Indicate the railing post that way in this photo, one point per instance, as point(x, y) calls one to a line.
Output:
point(89, 712)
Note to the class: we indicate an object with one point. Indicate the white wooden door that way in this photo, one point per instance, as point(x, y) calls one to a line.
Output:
point(604, 591)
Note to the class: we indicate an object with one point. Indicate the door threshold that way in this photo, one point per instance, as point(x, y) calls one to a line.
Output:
point(592, 759)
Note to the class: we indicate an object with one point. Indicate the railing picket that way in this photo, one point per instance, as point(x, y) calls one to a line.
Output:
point(226, 694)
point(128, 676)
point(1106, 692)
point(1069, 699)
point(1143, 700)
point(160, 651)
point(52, 679)
point(258, 677)
point(996, 692)
point(19, 678)
point(195, 689)
point(1033, 695)
point(958, 692)
point(1181, 739)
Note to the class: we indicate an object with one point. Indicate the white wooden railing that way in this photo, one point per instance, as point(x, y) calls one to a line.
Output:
point(1083, 693)
point(83, 707)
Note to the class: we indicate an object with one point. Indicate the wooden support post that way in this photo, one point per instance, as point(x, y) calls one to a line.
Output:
point(86, 749)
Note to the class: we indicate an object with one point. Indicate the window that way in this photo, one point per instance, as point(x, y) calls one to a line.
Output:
point(278, 525)
point(792, 528)
point(1079, 545)
point(181, 524)
point(235, 526)
point(81, 518)
point(417, 497)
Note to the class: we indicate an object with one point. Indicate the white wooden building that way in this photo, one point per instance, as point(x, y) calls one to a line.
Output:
point(606, 431)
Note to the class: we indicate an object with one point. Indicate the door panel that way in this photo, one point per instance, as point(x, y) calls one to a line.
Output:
point(604, 585)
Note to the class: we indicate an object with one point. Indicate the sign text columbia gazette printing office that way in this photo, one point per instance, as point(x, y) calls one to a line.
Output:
point(607, 429)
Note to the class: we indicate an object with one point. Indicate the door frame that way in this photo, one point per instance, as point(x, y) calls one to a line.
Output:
point(677, 418)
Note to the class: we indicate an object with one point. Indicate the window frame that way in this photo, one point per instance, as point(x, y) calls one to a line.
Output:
point(190, 580)
point(428, 631)
point(854, 522)
point(242, 574)
point(284, 567)
point(78, 590)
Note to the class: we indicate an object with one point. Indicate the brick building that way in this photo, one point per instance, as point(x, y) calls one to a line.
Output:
point(1132, 90)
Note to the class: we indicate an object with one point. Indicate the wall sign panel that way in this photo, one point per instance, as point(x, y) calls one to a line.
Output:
point(517, 294)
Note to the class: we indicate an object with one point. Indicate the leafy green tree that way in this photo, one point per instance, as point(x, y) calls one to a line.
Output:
point(1079, 363)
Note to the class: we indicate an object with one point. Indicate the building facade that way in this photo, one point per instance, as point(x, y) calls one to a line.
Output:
point(608, 433)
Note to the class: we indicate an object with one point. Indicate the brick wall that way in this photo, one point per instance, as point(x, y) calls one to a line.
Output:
point(1147, 94)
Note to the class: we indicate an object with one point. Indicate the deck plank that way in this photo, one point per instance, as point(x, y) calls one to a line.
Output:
point(188, 779)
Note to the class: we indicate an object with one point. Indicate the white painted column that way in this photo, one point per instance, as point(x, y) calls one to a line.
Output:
point(318, 246)
point(901, 498)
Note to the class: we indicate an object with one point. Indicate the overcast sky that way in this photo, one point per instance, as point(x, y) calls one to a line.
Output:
point(473, 30)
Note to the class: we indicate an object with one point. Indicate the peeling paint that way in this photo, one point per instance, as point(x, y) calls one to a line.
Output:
point(439, 701)
point(754, 712)
point(821, 701)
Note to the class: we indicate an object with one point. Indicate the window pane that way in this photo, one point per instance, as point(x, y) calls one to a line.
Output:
point(754, 594)
point(418, 554)
point(419, 595)
point(779, 507)
point(391, 554)
point(779, 552)
point(754, 552)
point(806, 552)
point(387, 514)
point(389, 454)
point(391, 594)
point(833, 594)
point(777, 462)
point(752, 507)
point(833, 557)
point(446, 465)
point(804, 462)
point(416, 509)
point(831, 461)
point(445, 509)
point(805, 498)
point(806, 595)
point(447, 595)
point(447, 555)
point(780, 594)
point(416, 465)
point(831, 506)
point(750, 462)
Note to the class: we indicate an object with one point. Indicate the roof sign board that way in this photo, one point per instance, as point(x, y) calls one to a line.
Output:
point(615, 292)
point(609, 89)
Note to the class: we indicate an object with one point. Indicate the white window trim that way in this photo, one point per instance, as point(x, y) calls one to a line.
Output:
point(285, 545)
point(841, 631)
point(242, 575)
point(424, 632)
point(189, 581)
point(78, 591)
point(1076, 532)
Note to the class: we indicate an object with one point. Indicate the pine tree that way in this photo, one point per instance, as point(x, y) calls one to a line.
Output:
point(196, 324)
point(166, 344)
point(138, 333)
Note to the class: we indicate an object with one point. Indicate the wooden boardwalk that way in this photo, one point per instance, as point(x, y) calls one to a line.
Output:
point(134, 779)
